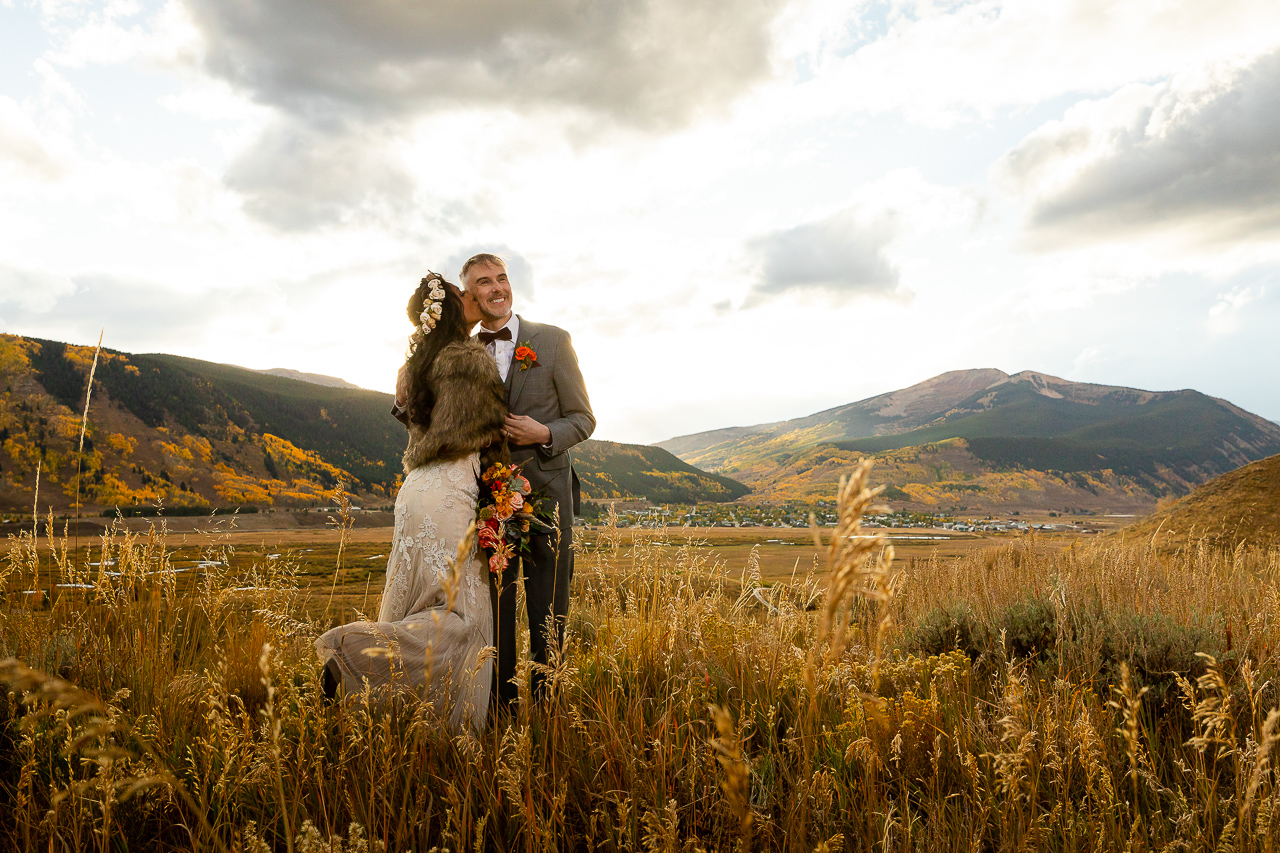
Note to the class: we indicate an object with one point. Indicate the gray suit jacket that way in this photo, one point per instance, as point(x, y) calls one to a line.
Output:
point(552, 393)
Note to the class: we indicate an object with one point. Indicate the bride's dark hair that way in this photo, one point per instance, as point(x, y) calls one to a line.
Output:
point(451, 328)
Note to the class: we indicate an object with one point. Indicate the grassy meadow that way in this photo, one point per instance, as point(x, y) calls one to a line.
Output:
point(1101, 694)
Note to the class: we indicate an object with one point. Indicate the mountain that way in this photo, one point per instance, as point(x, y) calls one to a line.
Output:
point(313, 378)
point(610, 470)
point(1130, 444)
point(1241, 506)
point(897, 411)
point(194, 433)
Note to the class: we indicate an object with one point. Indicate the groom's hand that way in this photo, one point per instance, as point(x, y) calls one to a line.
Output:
point(402, 387)
point(522, 429)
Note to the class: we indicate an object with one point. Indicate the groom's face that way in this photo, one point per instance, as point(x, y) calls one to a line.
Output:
point(488, 284)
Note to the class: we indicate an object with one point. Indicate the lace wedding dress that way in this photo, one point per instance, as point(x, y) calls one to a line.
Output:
point(435, 625)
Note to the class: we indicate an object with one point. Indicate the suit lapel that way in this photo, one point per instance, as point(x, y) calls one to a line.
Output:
point(516, 376)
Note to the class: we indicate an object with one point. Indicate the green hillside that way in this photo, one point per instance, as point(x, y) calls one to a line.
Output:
point(349, 428)
point(611, 470)
point(198, 434)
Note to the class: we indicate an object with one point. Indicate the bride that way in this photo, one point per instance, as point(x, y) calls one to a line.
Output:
point(435, 622)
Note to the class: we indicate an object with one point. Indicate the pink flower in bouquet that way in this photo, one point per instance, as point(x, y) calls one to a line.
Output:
point(517, 501)
point(488, 535)
point(502, 555)
point(521, 485)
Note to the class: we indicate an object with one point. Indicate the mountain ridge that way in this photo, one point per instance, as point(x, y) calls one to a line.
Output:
point(1161, 442)
point(313, 378)
point(185, 432)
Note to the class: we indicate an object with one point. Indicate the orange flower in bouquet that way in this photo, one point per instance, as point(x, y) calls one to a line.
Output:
point(509, 514)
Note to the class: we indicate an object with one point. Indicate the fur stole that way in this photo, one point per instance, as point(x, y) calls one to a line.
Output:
point(470, 410)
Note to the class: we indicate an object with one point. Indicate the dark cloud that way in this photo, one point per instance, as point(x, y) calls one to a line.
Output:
point(1207, 157)
point(642, 63)
point(844, 255)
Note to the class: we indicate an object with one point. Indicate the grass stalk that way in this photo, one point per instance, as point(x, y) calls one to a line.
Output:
point(1021, 697)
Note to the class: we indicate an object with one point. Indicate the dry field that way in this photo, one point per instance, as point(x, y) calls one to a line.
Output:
point(780, 554)
point(160, 693)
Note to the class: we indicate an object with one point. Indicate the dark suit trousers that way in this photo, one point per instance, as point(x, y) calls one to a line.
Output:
point(546, 590)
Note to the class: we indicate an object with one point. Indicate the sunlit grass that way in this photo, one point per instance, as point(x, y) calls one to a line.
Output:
point(1010, 698)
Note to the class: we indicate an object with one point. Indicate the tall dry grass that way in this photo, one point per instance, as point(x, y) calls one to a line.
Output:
point(1102, 697)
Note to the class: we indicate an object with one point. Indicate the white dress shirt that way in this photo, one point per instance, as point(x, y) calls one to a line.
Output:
point(503, 351)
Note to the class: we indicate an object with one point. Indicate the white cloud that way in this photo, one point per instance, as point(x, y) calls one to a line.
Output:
point(113, 34)
point(1200, 153)
point(939, 63)
point(1224, 316)
point(1088, 357)
point(24, 291)
point(24, 150)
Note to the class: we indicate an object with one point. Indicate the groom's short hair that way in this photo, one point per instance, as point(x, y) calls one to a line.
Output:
point(482, 258)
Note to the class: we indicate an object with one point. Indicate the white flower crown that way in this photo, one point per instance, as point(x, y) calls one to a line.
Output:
point(433, 307)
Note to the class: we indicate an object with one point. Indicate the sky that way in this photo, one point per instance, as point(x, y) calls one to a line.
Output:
point(741, 210)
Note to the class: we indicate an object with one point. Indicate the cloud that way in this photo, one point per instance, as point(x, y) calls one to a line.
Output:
point(76, 308)
point(844, 254)
point(24, 291)
point(1200, 152)
point(297, 177)
point(944, 63)
point(122, 32)
point(1224, 316)
point(641, 63)
point(349, 80)
point(22, 148)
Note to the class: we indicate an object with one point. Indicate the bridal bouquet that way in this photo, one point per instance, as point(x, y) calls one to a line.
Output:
point(509, 513)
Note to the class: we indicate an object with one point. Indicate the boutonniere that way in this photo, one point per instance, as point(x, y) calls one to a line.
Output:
point(526, 356)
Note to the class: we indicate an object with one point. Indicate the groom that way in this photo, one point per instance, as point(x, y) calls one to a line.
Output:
point(548, 413)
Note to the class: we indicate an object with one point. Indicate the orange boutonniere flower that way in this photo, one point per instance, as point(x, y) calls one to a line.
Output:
point(526, 356)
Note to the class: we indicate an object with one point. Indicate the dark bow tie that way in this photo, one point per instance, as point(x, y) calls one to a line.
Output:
point(489, 337)
point(486, 338)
